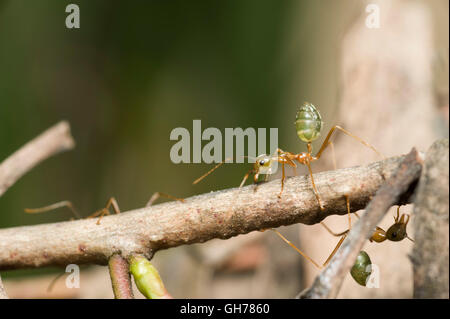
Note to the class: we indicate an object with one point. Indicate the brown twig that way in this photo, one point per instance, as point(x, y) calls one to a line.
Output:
point(430, 255)
point(221, 214)
point(54, 140)
point(328, 283)
point(120, 277)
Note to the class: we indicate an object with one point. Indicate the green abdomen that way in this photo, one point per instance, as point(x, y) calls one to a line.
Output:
point(308, 122)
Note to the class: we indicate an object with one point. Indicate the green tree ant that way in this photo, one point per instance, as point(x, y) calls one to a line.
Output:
point(308, 125)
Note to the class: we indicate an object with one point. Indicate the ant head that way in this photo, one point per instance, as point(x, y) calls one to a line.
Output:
point(263, 164)
point(308, 122)
point(397, 232)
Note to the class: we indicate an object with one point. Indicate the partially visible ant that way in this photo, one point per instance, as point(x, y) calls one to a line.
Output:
point(112, 202)
point(361, 269)
point(397, 232)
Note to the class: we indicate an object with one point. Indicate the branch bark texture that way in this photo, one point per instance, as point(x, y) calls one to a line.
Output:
point(220, 214)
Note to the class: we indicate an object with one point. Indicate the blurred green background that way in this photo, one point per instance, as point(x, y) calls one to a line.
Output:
point(135, 70)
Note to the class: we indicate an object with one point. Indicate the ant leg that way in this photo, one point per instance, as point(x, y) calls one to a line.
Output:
point(403, 221)
point(343, 234)
point(326, 142)
point(349, 221)
point(347, 200)
point(53, 282)
point(105, 211)
point(314, 186)
point(213, 169)
point(333, 233)
point(298, 250)
point(396, 219)
point(333, 155)
point(283, 176)
point(406, 223)
point(64, 203)
point(157, 195)
point(335, 250)
point(245, 178)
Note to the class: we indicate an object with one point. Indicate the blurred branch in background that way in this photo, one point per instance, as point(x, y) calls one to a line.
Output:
point(53, 141)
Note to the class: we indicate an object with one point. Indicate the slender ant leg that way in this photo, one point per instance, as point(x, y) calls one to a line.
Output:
point(316, 192)
point(105, 211)
point(326, 142)
point(343, 235)
point(157, 195)
point(54, 206)
point(112, 202)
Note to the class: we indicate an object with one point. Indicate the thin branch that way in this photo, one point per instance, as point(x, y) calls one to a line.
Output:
point(120, 277)
point(54, 140)
point(221, 214)
point(328, 283)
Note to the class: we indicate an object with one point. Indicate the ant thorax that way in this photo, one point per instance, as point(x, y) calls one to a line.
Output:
point(303, 157)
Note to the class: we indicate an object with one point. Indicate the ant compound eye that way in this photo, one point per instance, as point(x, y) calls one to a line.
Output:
point(262, 162)
point(394, 235)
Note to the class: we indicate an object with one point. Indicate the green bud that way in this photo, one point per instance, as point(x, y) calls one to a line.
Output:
point(147, 278)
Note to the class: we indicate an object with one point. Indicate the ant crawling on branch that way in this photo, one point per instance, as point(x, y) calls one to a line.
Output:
point(308, 124)
point(112, 202)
